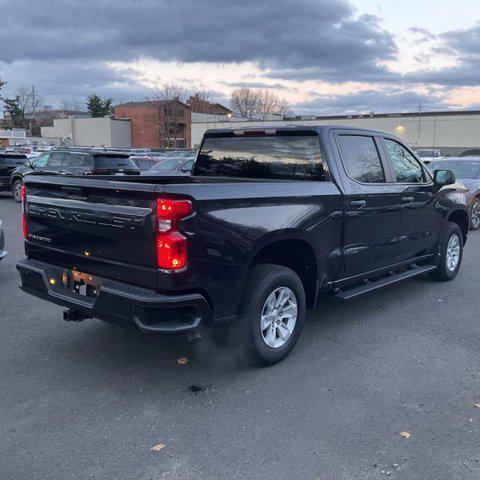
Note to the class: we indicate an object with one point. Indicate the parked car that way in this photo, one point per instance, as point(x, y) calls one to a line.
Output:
point(8, 163)
point(268, 220)
point(74, 162)
point(429, 154)
point(172, 166)
point(144, 162)
point(472, 152)
point(183, 153)
point(3, 252)
point(468, 172)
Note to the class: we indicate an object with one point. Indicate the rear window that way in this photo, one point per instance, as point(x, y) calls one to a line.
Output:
point(112, 161)
point(277, 157)
point(12, 160)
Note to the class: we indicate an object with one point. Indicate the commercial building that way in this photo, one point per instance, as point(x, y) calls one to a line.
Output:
point(167, 123)
point(89, 132)
point(12, 137)
point(451, 131)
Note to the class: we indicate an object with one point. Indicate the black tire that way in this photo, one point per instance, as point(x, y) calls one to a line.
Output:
point(16, 187)
point(443, 272)
point(264, 280)
point(474, 214)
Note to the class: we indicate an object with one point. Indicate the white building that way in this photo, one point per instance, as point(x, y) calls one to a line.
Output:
point(89, 132)
point(12, 137)
point(451, 131)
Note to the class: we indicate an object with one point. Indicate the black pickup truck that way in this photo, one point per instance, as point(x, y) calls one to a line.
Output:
point(269, 219)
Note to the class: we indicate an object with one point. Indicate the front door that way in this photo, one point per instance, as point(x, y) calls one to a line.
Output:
point(372, 210)
point(420, 223)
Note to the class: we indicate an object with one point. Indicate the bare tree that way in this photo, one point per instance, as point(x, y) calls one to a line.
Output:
point(71, 105)
point(29, 101)
point(200, 102)
point(172, 125)
point(248, 102)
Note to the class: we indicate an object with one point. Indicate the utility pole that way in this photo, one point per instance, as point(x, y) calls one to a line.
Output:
point(419, 124)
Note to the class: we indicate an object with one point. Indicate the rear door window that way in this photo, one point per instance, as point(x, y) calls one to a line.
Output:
point(56, 159)
point(361, 158)
point(78, 160)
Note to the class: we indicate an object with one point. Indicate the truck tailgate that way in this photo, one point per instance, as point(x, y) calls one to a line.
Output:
point(104, 228)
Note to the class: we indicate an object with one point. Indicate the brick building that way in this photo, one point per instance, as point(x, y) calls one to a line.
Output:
point(158, 123)
point(162, 123)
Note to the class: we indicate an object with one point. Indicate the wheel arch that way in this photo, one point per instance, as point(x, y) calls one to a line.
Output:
point(292, 249)
point(462, 219)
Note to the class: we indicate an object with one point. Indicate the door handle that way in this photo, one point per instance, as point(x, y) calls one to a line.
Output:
point(358, 203)
point(408, 199)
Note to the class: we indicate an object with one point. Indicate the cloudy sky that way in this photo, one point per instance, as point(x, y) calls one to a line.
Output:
point(323, 56)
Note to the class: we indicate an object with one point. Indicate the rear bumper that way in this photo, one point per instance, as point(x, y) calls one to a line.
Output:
point(117, 302)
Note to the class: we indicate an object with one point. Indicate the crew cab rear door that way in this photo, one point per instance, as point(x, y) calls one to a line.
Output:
point(372, 206)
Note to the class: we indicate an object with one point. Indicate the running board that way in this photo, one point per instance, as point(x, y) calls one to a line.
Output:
point(392, 279)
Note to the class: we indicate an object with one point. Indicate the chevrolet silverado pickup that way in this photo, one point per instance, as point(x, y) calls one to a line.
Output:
point(269, 219)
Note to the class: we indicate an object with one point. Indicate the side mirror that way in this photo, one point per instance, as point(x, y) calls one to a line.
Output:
point(443, 177)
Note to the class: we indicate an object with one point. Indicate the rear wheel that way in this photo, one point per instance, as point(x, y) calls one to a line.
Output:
point(272, 313)
point(17, 190)
point(475, 215)
point(451, 254)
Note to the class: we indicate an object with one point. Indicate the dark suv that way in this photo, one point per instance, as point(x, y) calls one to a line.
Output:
point(75, 162)
point(8, 163)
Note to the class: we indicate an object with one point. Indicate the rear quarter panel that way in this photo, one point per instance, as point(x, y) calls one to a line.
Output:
point(234, 221)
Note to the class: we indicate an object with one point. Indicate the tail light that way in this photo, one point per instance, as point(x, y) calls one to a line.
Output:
point(23, 196)
point(172, 246)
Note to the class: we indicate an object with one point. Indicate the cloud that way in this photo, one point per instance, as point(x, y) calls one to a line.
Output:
point(276, 86)
point(464, 47)
point(318, 38)
point(71, 79)
point(371, 100)
point(423, 33)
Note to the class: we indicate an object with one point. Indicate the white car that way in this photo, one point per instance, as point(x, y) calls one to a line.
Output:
point(428, 155)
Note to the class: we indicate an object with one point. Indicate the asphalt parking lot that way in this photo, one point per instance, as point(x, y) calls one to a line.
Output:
point(90, 400)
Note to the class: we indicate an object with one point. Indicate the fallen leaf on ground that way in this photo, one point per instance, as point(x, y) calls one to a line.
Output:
point(182, 360)
point(477, 405)
point(405, 434)
point(158, 447)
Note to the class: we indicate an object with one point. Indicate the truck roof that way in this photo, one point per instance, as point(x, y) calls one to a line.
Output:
point(287, 128)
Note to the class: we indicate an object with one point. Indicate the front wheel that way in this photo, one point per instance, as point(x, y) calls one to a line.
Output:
point(451, 254)
point(475, 215)
point(17, 190)
point(272, 313)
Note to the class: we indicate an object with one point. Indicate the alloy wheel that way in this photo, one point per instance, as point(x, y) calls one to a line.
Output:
point(279, 316)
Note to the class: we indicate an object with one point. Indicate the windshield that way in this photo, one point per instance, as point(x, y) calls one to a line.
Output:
point(277, 156)
point(40, 161)
point(461, 169)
